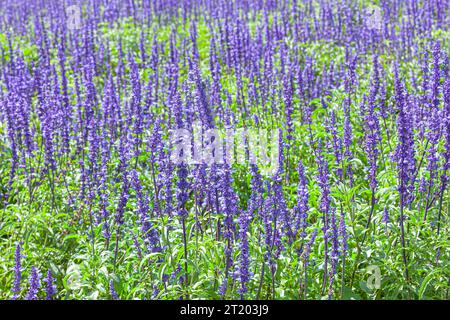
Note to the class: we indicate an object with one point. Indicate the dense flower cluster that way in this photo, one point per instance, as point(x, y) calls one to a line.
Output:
point(96, 194)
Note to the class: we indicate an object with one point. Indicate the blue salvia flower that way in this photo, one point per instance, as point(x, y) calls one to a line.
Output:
point(229, 209)
point(223, 287)
point(422, 185)
point(385, 216)
point(124, 195)
point(112, 291)
point(385, 219)
point(372, 127)
point(343, 235)
point(280, 208)
point(307, 250)
point(200, 185)
point(272, 219)
point(17, 272)
point(34, 281)
point(182, 171)
point(182, 189)
point(155, 292)
point(404, 155)
point(137, 245)
point(446, 133)
point(50, 287)
point(436, 80)
point(405, 152)
point(123, 200)
point(434, 119)
point(150, 234)
point(244, 260)
point(256, 199)
point(175, 274)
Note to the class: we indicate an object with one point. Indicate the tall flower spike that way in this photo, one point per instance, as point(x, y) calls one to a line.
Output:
point(34, 281)
point(50, 287)
point(229, 209)
point(343, 235)
point(308, 246)
point(404, 153)
point(372, 135)
point(385, 219)
point(244, 260)
point(404, 157)
point(17, 272)
point(112, 291)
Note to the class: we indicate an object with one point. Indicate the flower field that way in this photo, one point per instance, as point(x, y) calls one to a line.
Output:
point(224, 149)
